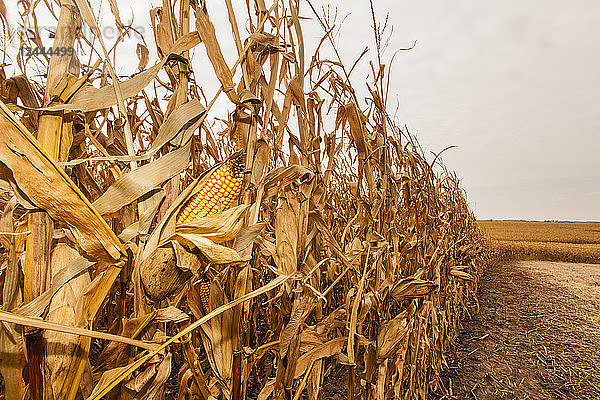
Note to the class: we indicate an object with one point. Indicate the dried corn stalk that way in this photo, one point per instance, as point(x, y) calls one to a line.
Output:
point(304, 244)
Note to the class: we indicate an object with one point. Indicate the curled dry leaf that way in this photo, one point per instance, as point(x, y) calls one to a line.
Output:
point(184, 117)
point(206, 30)
point(285, 175)
point(48, 187)
point(243, 243)
point(171, 314)
point(142, 53)
point(332, 347)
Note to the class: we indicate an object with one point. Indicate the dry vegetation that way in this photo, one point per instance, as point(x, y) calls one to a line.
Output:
point(535, 336)
point(553, 241)
point(536, 333)
point(342, 270)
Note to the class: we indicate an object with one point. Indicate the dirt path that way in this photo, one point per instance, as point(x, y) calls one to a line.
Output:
point(537, 335)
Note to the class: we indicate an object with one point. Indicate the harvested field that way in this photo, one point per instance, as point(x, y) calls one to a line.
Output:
point(553, 241)
point(537, 331)
point(535, 231)
point(535, 337)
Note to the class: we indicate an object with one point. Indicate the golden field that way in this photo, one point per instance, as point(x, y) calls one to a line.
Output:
point(565, 241)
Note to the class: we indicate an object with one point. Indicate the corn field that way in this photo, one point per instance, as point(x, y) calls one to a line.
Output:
point(301, 248)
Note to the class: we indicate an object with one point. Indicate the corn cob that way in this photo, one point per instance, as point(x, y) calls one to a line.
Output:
point(217, 193)
point(204, 291)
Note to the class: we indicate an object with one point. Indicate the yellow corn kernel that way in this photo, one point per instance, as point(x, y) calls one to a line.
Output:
point(204, 291)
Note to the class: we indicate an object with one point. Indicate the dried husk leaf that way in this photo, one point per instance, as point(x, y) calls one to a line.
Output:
point(186, 260)
point(216, 337)
point(286, 234)
point(160, 274)
point(391, 336)
point(219, 227)
point(412, 287)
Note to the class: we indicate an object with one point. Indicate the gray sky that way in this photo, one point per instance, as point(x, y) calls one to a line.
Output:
point(514, 84)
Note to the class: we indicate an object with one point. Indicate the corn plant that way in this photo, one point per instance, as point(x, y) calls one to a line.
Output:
point(302, 247)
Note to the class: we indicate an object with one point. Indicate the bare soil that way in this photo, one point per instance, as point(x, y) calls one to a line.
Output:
point(536, 336)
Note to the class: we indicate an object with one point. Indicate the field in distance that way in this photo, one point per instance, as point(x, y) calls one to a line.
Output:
point(556, 241)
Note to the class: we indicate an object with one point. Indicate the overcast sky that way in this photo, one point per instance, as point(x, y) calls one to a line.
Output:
point(514, 84)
